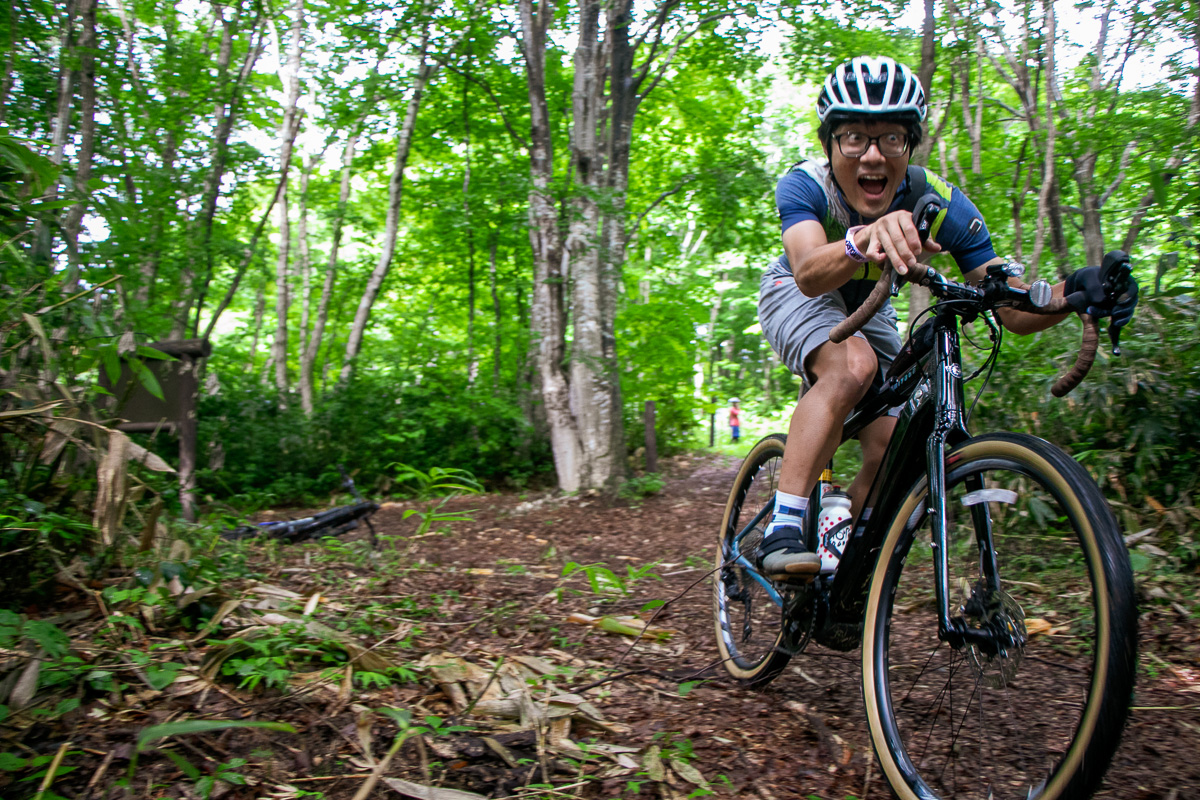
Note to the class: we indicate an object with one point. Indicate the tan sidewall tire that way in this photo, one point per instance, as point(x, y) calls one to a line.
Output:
point(1015, 448)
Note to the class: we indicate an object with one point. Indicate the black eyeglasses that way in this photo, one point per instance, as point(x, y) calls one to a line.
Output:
point(856, 145)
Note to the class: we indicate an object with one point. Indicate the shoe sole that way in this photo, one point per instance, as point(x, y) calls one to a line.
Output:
point(803, 571)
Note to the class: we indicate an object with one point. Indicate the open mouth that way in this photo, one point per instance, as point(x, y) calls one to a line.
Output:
point(872, 185)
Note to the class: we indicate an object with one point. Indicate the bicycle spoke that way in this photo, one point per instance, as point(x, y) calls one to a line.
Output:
point(749, 607)
point(991, 718)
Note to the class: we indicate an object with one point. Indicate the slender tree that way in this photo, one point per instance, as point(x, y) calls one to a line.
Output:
point(387, 244)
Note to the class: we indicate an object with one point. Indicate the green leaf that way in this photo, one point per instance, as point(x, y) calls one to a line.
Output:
point(401, 716)
point(1159, 186)
point(112, 364)
point(186, 767)
point(146, 378)
point(150, 352)
point(12, 763)
point(162, 676)
point(186, 726)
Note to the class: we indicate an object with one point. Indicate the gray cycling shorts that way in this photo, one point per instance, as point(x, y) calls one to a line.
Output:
point(796, 325)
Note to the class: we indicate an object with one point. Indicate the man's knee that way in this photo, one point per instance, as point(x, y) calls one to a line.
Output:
point(847, 372)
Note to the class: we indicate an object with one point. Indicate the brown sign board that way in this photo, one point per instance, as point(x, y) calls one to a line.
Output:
point(140, 410)
point(175, 411)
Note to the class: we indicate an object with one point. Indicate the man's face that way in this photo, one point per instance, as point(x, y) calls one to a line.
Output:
point(871, 180)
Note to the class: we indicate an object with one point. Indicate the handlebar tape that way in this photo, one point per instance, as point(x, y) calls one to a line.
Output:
point(1085, 359)
point(875, 300)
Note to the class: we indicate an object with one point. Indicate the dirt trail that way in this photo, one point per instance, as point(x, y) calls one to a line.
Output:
point(493, 637)
point(803, 736)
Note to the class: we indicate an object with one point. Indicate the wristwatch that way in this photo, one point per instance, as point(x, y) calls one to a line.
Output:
point(852, 251)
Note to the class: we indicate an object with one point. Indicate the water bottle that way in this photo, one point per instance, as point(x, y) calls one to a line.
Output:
point(833, 529)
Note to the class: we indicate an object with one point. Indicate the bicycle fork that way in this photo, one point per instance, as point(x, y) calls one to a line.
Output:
point(949, 428)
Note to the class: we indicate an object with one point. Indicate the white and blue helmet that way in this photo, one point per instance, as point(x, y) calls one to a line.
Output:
point(867, 86)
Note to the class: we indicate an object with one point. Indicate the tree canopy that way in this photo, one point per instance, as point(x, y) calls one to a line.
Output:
point(482, 235)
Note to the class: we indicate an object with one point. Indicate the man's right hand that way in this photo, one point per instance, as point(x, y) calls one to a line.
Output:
point(893, 237)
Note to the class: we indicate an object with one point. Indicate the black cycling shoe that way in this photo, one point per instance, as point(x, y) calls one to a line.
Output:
point(785, 556)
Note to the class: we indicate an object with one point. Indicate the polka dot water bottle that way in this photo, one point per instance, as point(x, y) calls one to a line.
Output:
point(833, 529)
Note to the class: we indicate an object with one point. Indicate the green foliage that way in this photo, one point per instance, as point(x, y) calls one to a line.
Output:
point(269, 658)
point(1129, 422)
point(435, 489)
point(203, 784)
point(284, 455)
point(641, 486)
point(604, 581)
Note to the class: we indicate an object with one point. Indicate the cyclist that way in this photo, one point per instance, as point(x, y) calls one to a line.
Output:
point(840, 219)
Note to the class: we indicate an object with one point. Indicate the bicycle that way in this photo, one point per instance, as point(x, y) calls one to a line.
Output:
point(333, 522)
point(990, 588)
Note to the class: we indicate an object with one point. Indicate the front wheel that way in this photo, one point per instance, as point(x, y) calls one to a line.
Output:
point(1034, 704)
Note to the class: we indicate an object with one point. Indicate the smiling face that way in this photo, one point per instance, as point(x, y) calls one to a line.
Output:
point(870, 182)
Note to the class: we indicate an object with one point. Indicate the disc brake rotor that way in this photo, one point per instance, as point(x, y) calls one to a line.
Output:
point(994, 610)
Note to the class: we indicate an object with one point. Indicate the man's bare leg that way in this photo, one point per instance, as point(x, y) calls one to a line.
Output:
point(874, 439)
point(843, 374)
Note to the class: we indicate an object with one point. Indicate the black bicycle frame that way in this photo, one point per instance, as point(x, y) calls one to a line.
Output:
point(927, 379)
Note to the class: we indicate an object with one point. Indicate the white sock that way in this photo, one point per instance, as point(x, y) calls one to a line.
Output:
point(790, 510)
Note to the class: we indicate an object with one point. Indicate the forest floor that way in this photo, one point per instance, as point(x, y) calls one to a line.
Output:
point(480, 645)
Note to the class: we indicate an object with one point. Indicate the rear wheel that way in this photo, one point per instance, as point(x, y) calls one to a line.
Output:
point(1035, 706)
point(750, 626)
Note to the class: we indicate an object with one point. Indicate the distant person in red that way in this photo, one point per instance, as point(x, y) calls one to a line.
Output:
point(735, 420)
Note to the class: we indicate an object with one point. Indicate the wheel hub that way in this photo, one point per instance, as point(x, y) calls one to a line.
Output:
point(997, 641)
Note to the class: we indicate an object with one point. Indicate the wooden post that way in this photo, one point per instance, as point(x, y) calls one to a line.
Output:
point(712, 425)
point(189, 395)
point(651, 440)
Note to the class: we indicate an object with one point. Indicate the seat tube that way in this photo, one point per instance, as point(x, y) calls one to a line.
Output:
point(948, 426)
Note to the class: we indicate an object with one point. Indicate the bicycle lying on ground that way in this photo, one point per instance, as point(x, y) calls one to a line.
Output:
point(990, 588)
point(333, 522)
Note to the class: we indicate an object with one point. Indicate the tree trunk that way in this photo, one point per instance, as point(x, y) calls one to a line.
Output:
point(497, 319)
point(1048, 181)
point(6, 83)
point(592, 375)
point(225, 114)
point(472, 358)
point(586, 431)
point(548, 315)
point(918, 296)
point(309, 357)
point(86, 48)
point(392, 224)
point(279, 344)
point(260, 308)
point(290, 75)
point(43, 240)
point(303, 264)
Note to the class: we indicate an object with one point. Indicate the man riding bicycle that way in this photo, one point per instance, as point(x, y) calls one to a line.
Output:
point(840, 220)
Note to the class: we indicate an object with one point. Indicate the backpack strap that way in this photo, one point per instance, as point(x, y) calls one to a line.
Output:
point(925, 189)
